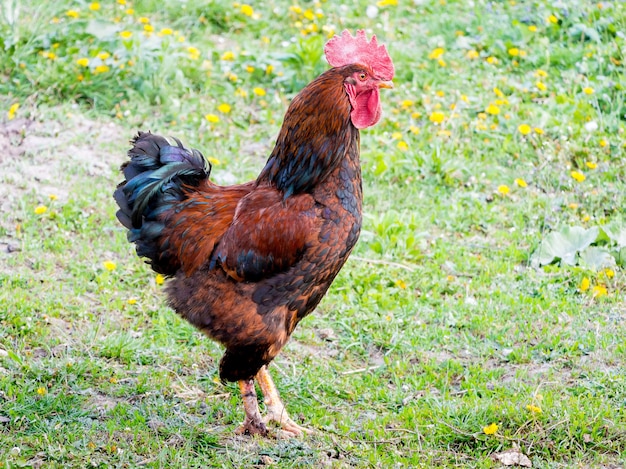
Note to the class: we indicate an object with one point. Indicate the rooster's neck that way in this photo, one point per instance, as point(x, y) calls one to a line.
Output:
point(316, 136)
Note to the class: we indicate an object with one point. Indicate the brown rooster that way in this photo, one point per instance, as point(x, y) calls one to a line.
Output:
point(248, 262)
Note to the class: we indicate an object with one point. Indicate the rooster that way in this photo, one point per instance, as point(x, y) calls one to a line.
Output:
point(248, 262)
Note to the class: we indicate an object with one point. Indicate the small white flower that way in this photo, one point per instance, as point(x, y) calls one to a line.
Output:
point(591, 126)
point(372, 11)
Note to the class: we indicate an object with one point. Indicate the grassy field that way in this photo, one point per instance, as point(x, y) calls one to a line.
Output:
point(482, 317)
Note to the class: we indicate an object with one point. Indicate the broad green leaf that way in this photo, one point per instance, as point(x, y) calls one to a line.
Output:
point(596, 258)
point(617, 232)
point(563, 245)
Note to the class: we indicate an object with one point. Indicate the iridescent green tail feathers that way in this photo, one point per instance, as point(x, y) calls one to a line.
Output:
point(155, 179)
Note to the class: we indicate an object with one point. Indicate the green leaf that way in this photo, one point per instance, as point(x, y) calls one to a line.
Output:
point(564, 245)
point(596, 258)
point(616, 231)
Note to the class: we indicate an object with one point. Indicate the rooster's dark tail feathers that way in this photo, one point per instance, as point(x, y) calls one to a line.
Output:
point(154, 180)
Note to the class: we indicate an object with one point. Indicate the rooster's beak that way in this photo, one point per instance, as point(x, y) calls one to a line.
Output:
point(385, 84)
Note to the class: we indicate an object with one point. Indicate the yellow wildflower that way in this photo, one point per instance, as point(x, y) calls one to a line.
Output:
point(402, 145)
point(143, 19)
point(493, 110)
point(94, 6)
point(269, 69)
point(472, 54)
point(101, 69)
point(538, 130)
point(541, 73)
point(610, 273)
point(396, 135)
point(126, 34)
point(131, 301)
point(504, 189)
point(553, 19)
point(258, 91)
point(72, 13)
point(436, 53)
point(532, 28)
point(385, 3)
point(224, 108)
point(109, 265)
point(584, 284)
point(591, 165)
point(541, 86)
point(213, 161)
point(166, 31)
point(130, 11)
point(520, 182)
point(228, 55)
point(41, 390)
point(514, 51)
point(498, 92)
point(40, 209)
point(247, 10)
point(524, 129)
point(492, 60)
point(194, 53)
point(12, 110)
point(212, 118)
point(159, 279)
point(534, 409)
point(578, 176)
point(603, 143)
point(490, 429)
point(437, 117)
point(148, 28)
point(414, 129)
point(407, 103)
point(83, 62)
point(599, 290)
point(249, 68)
point(104, 55)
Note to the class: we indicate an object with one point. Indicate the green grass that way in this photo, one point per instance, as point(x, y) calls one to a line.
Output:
point(439, 325)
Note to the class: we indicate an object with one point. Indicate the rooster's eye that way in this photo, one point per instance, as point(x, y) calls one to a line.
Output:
point(362, 76)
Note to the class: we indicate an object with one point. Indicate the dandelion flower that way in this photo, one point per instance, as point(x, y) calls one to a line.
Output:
point(532, 28)
point(258, 91)
point(472, 54)
point(407, 103)
point(131, 301)
point(437, 117)
point(143, 19)
point(610, 273)
point(159, 279)
point(538, 130)
point(40, 209)
point(541, 73)
point(213, 160)
point(166, 31)
point(513, 51)
point(228, 55)
point(94, 6)
point(599, 290)
point(436, 53)
point(553, 19)
point(534, 409)
point(524, 129)
point(83, 62)
point(387, 3)
point(603, 143)
point(12, 110)
point(402, 145)
point(224, 108)
point(41, 390)
point(504, 189)
point(578, 176)
point(490, 429)
point(104, 55)
point(126, 34)
point(414, 129)
point(591, 165)
point(520, 182)
point(101, 69)
point(72, 13)
point(109, 265)
point(584, 284)
point(212, 118)
point(493, 110)
point(541, 86)
point(247, 10)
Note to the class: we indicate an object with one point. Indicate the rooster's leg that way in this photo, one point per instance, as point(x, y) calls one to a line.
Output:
point(276, 411)
point(253, 423)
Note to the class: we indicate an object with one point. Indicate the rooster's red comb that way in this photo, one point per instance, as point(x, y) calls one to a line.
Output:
point(346, 49)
